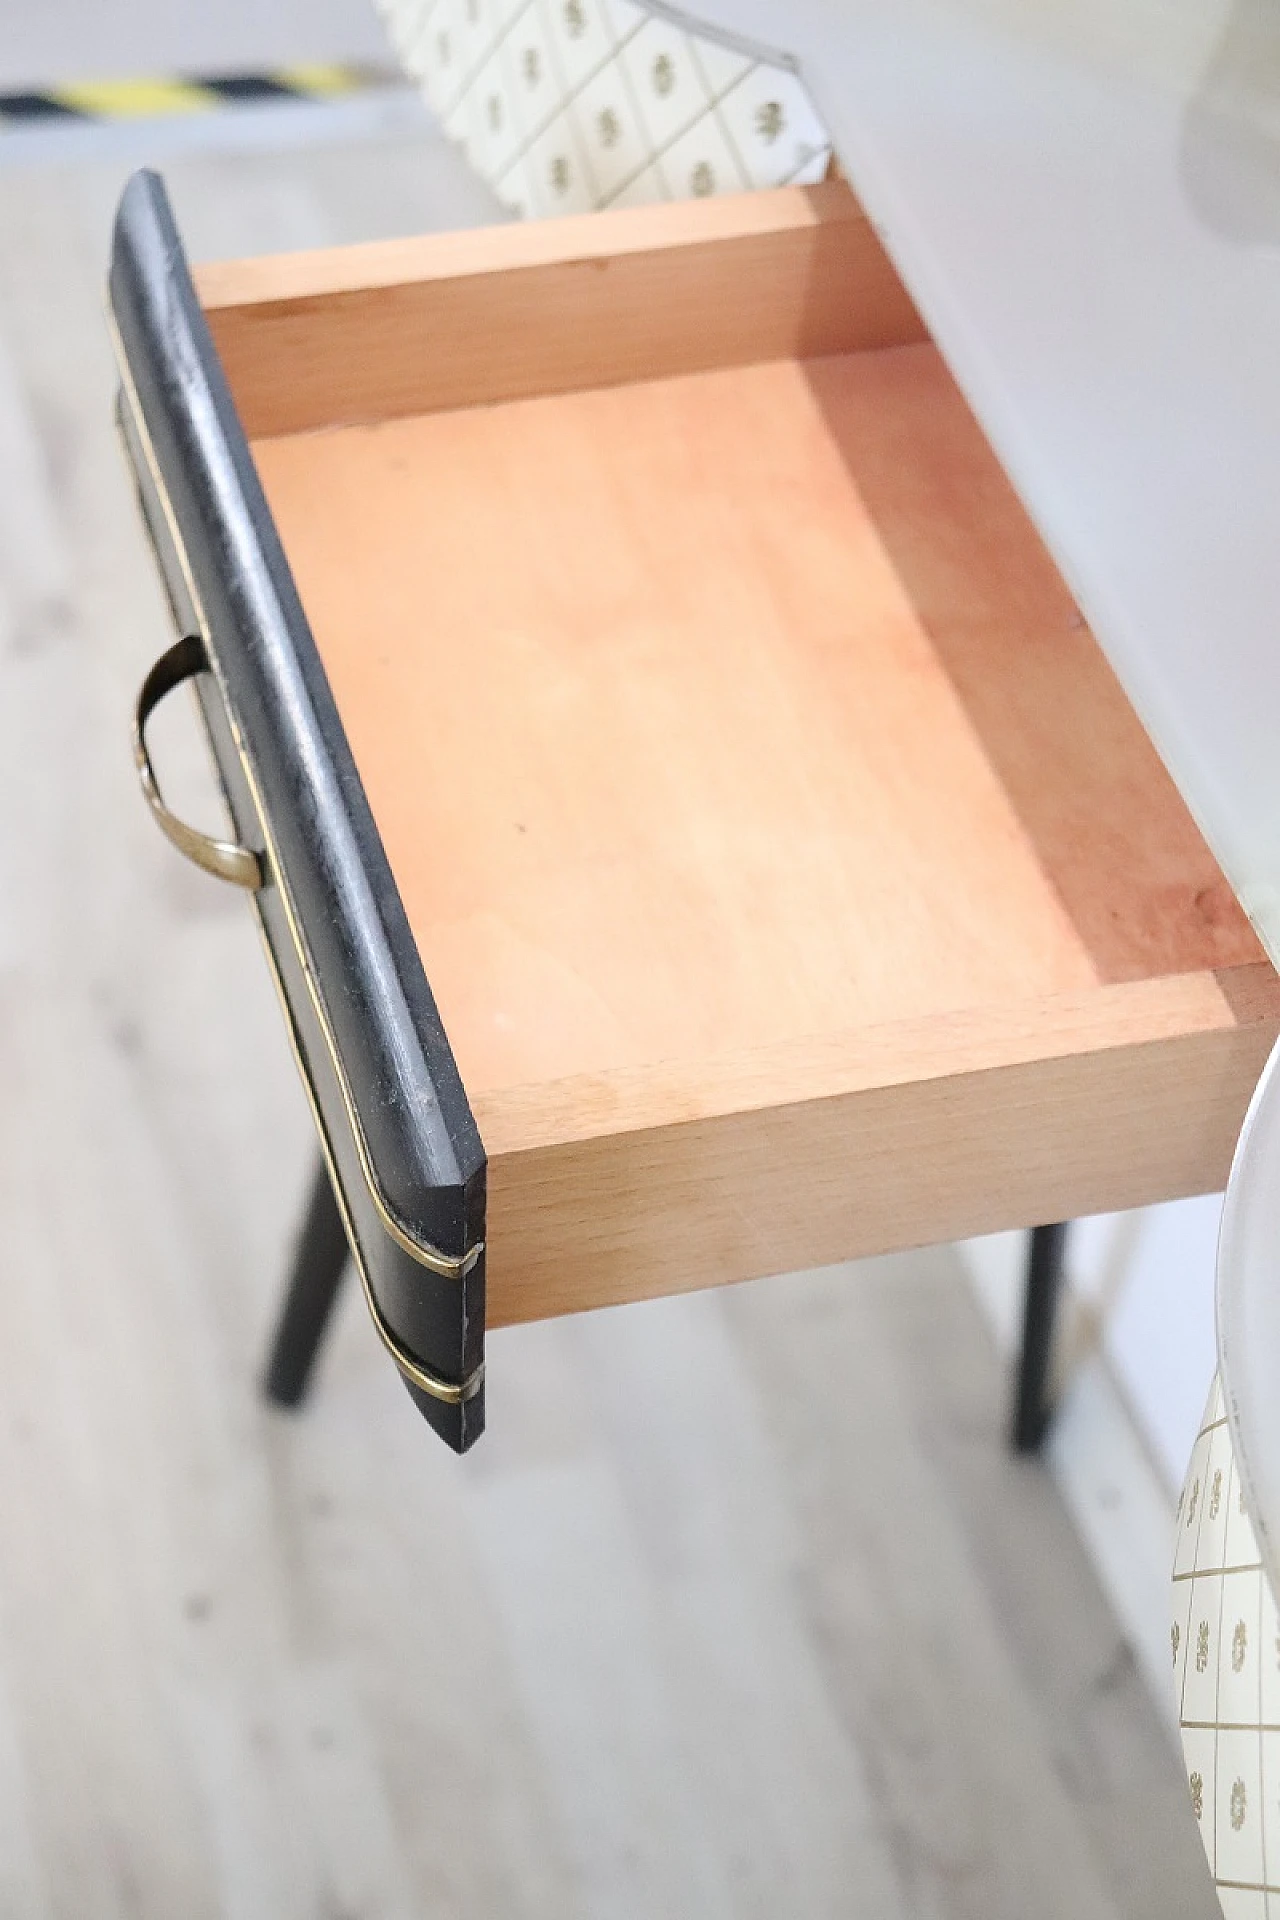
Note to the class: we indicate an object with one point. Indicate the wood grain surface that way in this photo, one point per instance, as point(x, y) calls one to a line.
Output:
point(771, 826)
point(402, 327)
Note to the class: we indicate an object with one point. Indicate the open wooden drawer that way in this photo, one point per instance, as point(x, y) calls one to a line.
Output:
point(678, 686)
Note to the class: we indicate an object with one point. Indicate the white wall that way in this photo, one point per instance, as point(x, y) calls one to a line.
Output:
point(1148, 1278)
point(1136, 1345)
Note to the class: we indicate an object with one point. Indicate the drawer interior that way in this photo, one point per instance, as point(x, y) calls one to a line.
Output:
point(735, 743)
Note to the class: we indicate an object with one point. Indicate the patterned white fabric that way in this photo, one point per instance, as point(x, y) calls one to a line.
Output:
point(1225, 1648)
point(565, 106)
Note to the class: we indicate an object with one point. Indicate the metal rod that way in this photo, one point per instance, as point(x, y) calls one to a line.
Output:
point(1045, 1266)
point(318, 1267)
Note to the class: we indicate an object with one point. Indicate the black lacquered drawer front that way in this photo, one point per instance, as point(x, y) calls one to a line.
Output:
point(394, 1121)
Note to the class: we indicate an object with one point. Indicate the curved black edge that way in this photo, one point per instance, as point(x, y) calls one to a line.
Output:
point(421, 1136)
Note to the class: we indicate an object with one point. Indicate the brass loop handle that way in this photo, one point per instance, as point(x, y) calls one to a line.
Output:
point(185, 659)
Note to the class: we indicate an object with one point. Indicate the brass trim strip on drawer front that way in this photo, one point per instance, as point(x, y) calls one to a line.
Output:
point(449, 1266)
point(182, 662)
point(452, 1393)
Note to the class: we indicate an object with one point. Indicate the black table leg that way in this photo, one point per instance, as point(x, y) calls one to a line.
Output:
point(1031, 1409)
point(313, 1287)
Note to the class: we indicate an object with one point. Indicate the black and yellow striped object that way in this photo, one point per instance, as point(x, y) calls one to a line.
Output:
point(151, 99)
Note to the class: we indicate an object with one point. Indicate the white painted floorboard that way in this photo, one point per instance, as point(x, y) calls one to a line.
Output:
point(739, 1609)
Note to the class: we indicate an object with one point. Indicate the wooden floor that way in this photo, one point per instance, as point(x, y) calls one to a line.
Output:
point(739, 1609)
